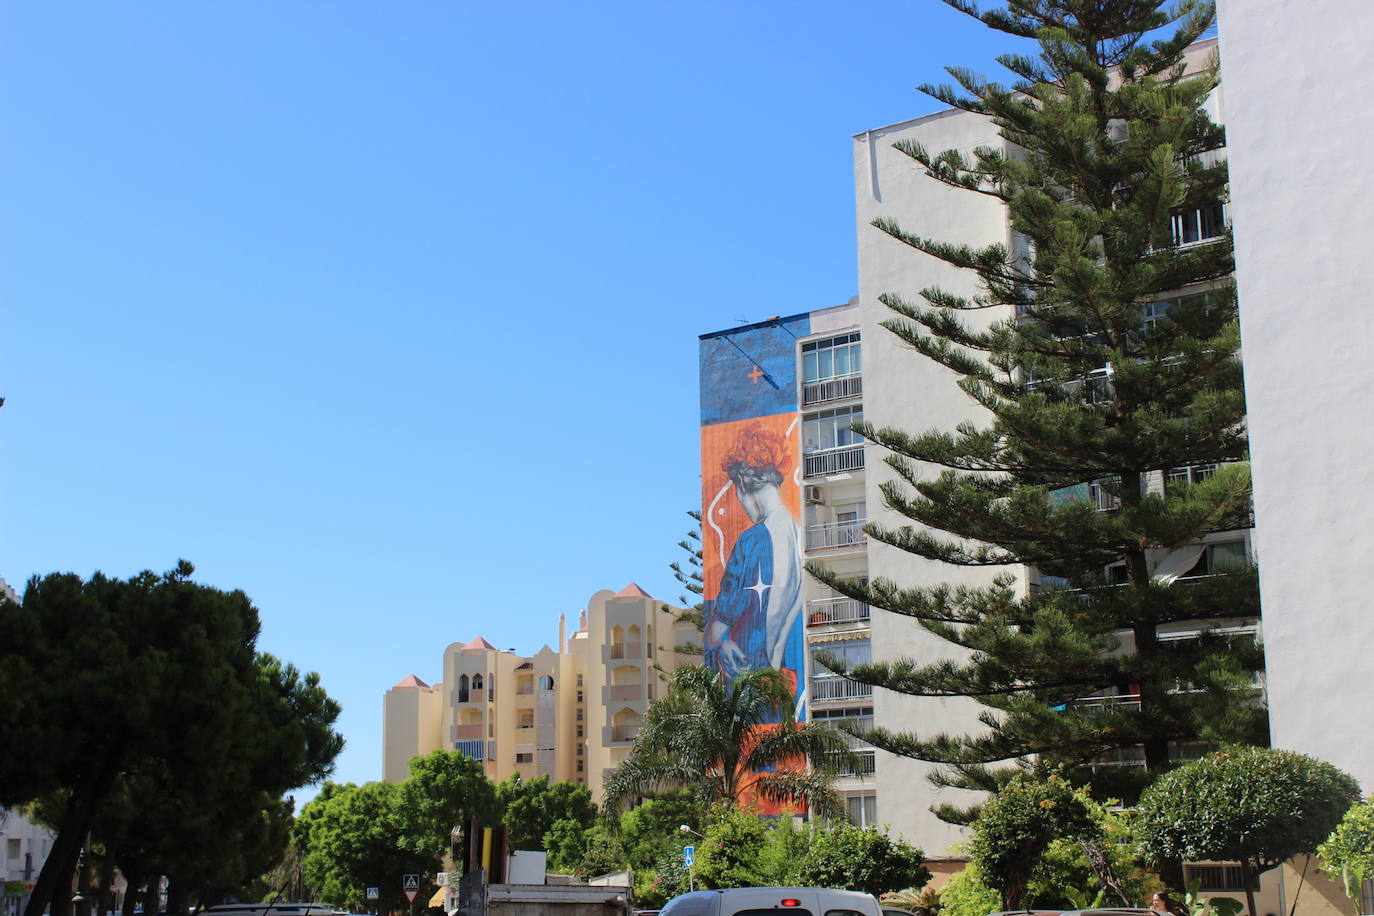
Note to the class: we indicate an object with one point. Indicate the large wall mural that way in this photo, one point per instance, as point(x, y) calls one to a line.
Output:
point(751, 501)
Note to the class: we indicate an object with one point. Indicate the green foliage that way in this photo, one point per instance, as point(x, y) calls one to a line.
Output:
point(566, 844)
point(662, 882)
point(1255, 806)
point(861, 859)
point(441, 791)
point(354, 837)
point(966, 894)
point(703, 736)
point(730, 854)
point(168, 736)
point(532, 806)
point(1105, 138)
point(1017, 826)
point(1349, 851)
point(651, 829)
point(603, 853)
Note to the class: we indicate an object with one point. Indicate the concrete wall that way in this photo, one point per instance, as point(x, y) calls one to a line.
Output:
point(1298, 83)
point(906, 390)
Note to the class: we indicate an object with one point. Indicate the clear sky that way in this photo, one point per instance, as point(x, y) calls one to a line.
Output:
point(386, 312)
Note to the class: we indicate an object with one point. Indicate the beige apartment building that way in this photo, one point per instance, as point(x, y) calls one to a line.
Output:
point(570, 713)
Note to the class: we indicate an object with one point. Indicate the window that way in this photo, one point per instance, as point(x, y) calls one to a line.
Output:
point(471, 749)
point(463, 689)
point(829, 429)
point(862, 809)
point(852, 652)
point(12, 848)
point(579, 680)
point(1198, 224)
point(1196, 473)
point(1221, 557)
point(832, 357)
point(524, 758)
point(545, 682)
point(581, 748)
point(476, 682)
point(579, 696)
point(579, 715)
point(580, 730)
point(581, 764)
point(1220, 877)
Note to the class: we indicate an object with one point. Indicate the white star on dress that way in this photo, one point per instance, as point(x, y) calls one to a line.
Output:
point(759, 586)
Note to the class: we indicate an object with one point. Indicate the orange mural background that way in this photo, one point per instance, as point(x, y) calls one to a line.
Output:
point(719, 506)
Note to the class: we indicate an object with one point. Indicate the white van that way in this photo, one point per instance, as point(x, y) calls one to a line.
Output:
point(772, 901)
point(273, 909)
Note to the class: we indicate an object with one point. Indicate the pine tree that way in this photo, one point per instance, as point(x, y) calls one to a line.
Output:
point(1093, 393)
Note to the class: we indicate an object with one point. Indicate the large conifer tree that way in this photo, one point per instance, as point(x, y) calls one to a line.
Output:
point(1107, 372)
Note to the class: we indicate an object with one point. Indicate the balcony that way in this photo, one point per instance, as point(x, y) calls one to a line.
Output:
point(1107, 701)
point(624, 732)
point(837, 536)
point(832, 389)
point(461, 732)
point(624, 692)
point(865, 764)
point(834, 461)
point(824, 611)
point(626, 650)
point(827, 688)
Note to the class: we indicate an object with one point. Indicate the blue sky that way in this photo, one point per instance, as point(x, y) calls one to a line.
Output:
point(386, 313)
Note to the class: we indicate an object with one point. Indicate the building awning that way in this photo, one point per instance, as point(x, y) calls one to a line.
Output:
point(438, 898)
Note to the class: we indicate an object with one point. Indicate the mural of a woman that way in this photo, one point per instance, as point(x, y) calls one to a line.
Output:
point(754, 621)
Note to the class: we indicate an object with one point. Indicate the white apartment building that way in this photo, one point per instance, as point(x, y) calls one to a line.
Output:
point(26, 847)
point(807, 377)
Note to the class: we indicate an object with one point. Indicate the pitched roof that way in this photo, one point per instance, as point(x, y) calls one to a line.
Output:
point(632, 591)
point(479, 643)
point(410, 681)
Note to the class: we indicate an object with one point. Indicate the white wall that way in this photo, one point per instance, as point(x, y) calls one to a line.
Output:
point(906, 390)
point(1300, 118)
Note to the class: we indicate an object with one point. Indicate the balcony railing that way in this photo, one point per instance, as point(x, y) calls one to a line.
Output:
point(626, 650)
point(865, 763)
point(624, 732)
point(461, 732)
point(626, 692)
point(838, 688)
point(836, 535)
point(834, 461)
point(1110, 701)
point(832, 389)
point(824, 611)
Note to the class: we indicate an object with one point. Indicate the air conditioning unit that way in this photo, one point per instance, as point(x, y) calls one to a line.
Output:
point(813, 495)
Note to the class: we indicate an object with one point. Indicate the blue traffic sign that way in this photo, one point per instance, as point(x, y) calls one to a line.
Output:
point(689, 854)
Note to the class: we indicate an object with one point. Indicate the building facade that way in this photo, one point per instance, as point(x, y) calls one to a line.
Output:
point(793, 386)
point(570, 713)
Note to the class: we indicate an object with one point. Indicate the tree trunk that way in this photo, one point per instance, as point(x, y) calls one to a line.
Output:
point(132, 894)
point(176, 896)
point(66, 847)
point(1247, 875)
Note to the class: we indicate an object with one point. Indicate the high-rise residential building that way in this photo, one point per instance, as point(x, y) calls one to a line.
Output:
point(570, 713)
point(785, 481)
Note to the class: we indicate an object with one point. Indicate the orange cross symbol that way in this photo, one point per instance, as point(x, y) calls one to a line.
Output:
point(756, 374)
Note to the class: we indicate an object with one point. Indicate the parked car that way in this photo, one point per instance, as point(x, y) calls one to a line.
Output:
point(772, 901)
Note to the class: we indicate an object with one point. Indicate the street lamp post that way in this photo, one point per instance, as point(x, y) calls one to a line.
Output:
point(691, 884)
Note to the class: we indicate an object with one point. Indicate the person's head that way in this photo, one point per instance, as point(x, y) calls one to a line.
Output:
point(1162, 901)
point(756, 461)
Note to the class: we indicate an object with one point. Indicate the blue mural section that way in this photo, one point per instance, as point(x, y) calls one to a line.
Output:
point(751, 371)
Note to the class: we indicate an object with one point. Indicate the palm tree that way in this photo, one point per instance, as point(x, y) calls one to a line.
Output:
point(728, 742)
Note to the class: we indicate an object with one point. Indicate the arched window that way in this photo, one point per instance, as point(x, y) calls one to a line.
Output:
point(476, 682)
point(463, 689)
point(545, 683)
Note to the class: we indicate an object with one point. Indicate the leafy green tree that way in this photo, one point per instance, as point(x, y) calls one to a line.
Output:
point(1254, 806)
point(1082, 399)
point(1349, 851)
point(705, 736)
point(160, 676)
point(440, 792)
point(603, 853)
point(354, 837)
point(652, 829)
point(967, 894)
point(533, 806)
point(731, 853)
point(861, 859)
point(1016, 827)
